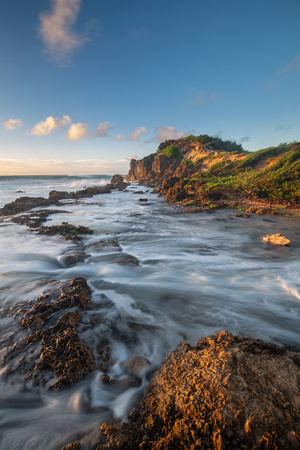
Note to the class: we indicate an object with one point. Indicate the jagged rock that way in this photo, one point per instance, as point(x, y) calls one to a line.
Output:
point(227, 392)
point(36, 218)
point(245, 216)
point(73, 446)
point(151, 167)
point(265, 211)
point(277, 239)
point(22, 204)
point(117, 182)
point(52, 351)
point(66, 230)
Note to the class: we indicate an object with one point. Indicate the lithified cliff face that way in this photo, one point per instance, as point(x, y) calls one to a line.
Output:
point(204, 171)
point(151, 168)
point(155, 168)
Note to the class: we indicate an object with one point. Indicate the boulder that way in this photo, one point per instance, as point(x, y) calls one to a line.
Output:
point(117, 182)
point(276, 239)
point(137, 366)
point(227, 392)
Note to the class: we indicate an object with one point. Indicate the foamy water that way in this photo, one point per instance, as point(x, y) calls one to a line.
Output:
point(196, 276)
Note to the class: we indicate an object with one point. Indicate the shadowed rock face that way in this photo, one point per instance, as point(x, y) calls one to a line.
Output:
point(227, 392)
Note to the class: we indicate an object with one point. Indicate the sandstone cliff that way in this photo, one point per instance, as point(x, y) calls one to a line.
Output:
point(204, 171)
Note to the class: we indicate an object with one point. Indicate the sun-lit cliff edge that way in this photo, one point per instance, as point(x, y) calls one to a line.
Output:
point(203, 171)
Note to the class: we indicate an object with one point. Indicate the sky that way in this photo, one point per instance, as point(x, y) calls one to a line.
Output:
point(87, 85)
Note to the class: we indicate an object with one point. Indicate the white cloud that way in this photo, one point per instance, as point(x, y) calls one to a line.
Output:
point(103, 128)
point(135, 136)
point(46, 127)
point(57, 30)
point(121, 137)
point(11, 124)
point(164, 133)
point(77, 131)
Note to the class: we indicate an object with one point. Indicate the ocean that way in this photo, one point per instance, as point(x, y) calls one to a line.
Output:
point(196, 275)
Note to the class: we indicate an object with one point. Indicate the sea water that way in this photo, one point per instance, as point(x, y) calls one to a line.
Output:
point(197, 275)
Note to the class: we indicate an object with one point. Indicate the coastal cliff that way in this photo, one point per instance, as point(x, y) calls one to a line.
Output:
point(201, 171)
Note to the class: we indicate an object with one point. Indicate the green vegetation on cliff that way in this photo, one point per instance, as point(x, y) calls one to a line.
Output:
point(272, 173)
point(172, 151)
point(216, 143)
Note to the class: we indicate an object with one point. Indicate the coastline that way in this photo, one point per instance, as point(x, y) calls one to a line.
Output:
point(211, 437)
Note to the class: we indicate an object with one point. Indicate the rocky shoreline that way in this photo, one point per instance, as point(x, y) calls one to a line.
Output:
point(225, 392)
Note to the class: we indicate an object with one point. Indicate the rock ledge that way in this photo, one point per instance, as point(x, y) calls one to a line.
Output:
point(227, 392)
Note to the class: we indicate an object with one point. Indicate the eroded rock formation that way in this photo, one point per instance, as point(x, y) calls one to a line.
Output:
point(51, 353)
point(227, 392)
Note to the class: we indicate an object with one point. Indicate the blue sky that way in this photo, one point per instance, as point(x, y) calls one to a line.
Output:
point(86, 85)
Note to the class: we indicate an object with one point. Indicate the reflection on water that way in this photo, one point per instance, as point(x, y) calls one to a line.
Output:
point(195, 276)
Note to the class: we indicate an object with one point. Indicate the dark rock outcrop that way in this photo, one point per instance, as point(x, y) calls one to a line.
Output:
point(117, 182)
point(66, 230)
point(22, 204)
point(52, 352)
point(227, 392)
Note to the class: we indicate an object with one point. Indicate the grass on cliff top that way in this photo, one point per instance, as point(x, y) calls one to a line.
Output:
point(272, 173)
point(216, 143)
point(173, 152)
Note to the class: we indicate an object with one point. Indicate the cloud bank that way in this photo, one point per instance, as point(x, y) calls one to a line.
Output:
point(12, 124)
point(57, 30)
point(46, 127)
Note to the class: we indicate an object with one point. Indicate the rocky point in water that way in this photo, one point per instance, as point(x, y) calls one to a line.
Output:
point(227, 392)
point(23, 204)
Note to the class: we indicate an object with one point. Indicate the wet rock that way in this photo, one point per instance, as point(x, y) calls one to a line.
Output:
point(137, 366)
point(227, 392)
point(59, 195)
point(276, 239)
point(66, 230)
point(22, 204)
point(36, 218)
point(73, 446)
point(128, 260)
point(245, 216)
point(107, 245)
point(141, 200)
point(265, 211)
point(73, 257)
point(104, 355)
point(117, 182)
point(52, 352)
